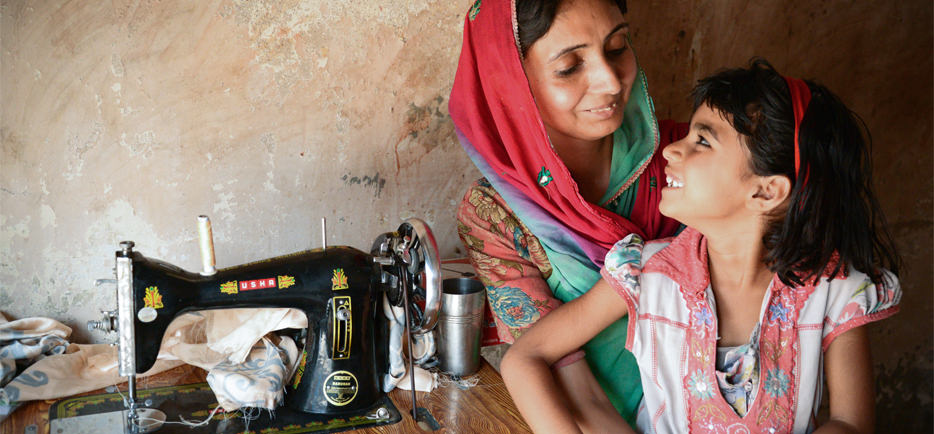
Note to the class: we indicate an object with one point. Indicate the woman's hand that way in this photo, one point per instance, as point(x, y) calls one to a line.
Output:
point(848, 369)
point(526, 367)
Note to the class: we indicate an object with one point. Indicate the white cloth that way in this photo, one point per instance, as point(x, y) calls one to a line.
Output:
point(662, 339)
point(229, 344)
point(423, 348)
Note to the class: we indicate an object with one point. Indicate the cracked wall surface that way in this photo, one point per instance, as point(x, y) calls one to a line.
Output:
point(127, 119)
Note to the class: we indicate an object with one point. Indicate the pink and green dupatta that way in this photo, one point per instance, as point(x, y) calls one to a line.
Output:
point(499, 126)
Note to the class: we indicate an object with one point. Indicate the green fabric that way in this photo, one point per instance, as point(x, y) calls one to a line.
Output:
point(614, 367)
point(621, 168)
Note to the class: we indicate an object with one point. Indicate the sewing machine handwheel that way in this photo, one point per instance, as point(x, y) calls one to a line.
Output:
point(415, 255)
point(425, 270)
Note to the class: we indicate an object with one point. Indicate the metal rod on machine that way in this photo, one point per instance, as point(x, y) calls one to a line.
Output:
point(132, 416)
point(408, 340)
point(324, 233)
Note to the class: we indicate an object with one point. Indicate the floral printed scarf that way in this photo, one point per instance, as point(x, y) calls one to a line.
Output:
point(500, 128)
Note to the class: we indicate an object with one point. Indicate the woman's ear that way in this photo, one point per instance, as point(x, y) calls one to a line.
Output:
point(771, 193)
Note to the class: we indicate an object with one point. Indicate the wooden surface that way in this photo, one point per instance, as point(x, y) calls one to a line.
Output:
point(484, 408)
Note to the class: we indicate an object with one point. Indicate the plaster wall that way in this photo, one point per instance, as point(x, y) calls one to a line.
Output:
point(126, 119)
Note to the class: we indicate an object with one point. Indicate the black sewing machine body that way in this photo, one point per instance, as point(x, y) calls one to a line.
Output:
point(340, 289)
point(337, 288)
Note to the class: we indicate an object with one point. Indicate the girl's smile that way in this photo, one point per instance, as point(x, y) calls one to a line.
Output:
point(708, 176)
point(672, 182)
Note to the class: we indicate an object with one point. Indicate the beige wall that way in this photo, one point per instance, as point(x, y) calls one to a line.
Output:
point(127, 119)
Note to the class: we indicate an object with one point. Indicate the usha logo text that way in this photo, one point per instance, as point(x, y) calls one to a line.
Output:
point(233, 286)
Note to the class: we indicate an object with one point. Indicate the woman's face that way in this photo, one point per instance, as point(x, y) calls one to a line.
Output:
point(581, 71)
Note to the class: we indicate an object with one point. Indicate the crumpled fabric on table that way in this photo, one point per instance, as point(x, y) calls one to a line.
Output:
point(22, 343)
point(265, 369)
point(423, 348)
point(220, 341)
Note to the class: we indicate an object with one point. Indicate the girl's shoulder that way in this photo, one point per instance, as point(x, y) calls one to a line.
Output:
point(850, 300)
point(856, 286)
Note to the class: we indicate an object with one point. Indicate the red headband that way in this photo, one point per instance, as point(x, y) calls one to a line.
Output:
point(800, 97)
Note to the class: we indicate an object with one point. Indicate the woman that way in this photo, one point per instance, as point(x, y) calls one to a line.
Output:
point(555, 114)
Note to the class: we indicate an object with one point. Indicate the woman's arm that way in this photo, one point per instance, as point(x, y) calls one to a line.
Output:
point(526, 367)
point(508, 260)
point(848, 368)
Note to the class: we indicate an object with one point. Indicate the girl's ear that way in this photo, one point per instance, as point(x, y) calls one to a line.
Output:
point(771, 193)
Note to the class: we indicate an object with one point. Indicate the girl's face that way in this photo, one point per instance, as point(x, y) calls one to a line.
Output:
point(580, 72)
point(708, 175)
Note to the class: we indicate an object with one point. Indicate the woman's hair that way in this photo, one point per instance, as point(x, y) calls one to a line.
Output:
point(832, 209)
point(534, 18)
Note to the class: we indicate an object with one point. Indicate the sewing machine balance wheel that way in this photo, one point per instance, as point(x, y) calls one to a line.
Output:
point(415, 269)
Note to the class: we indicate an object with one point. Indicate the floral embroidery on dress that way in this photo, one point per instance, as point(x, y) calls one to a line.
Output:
point(776, 383)
point(516, 308)
point(778, 312)
point(783, 306)
point(703, 316)
point(699, 386)
point(776, 331)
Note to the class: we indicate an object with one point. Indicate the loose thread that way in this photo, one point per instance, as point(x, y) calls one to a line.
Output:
point(184, 421)
point(445, 379)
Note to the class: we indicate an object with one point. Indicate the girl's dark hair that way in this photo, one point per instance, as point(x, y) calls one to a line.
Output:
point(534, 18)
point(832, 209)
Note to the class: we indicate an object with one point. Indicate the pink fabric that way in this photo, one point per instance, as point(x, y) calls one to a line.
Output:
point(494, 237)
point(493, 108)
point(674, 331)
point(568, 359)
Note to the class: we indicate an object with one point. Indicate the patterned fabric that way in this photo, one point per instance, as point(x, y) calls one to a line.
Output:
point(739, 375)
point(244, 367)
point(534, 240)
point(499, 125)
point(509, 260)
point(22, 343)
point(673, 335)
point(257, 381)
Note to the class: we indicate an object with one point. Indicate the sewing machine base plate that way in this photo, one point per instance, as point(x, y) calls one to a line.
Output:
point(195, 402)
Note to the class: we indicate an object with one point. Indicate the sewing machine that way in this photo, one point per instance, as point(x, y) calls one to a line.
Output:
point(339, 288)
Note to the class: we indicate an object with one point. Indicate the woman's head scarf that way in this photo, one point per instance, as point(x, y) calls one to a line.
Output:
point(500, 127)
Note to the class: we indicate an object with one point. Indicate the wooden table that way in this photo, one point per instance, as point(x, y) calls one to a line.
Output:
point(484, 408)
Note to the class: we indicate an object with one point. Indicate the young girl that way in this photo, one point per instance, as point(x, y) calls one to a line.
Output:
point(737, 321)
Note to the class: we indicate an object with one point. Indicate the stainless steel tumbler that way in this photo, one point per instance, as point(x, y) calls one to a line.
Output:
point(459, 326)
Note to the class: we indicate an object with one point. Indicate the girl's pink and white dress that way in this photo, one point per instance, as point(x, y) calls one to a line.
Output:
point(673, 334)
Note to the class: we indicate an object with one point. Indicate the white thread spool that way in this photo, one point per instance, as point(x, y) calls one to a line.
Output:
point(206, 241)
